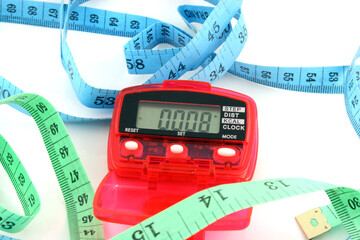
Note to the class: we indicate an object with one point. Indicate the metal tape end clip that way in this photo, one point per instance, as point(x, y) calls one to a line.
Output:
point(313, 223)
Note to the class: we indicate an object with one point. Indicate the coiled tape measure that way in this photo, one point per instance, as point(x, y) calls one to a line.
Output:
point(181, 220)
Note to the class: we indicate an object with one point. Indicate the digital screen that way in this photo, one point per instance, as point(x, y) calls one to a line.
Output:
point(178, 117)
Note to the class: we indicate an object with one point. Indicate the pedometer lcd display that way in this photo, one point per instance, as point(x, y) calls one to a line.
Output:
point(170, 116)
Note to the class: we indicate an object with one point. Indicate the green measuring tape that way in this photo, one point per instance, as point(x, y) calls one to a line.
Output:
point(189, 216)
point(26, 191)
point(74, 183)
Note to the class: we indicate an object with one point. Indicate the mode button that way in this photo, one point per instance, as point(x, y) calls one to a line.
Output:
point(226, 152)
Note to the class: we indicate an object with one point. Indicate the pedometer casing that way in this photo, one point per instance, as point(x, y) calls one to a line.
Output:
point(170, 140)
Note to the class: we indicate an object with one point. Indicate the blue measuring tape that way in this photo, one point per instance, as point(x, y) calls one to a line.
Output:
point(173, 63)
point(165, 64)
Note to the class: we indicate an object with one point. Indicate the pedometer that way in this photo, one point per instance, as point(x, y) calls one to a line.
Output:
point(170, 140)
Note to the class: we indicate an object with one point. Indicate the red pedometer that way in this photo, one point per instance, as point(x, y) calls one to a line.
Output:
point(168, 141)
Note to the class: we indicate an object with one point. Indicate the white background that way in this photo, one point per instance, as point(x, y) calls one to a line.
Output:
point(301, 134)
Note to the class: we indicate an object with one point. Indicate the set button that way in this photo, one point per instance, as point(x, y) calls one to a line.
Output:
point(176, 150)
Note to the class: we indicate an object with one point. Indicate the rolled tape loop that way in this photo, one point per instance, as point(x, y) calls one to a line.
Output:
point(28, 196)
point(73, 180)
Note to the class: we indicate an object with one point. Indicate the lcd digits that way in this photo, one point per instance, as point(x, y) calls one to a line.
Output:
point(178, 117)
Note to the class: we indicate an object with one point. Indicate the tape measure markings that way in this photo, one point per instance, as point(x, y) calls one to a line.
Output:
point(105, 99)
point(291, 78)
point(25, 190)
point(222, 61)
point(207, 35)
point(14, 11)
point(244, 76)
point(337, 196)
point(73, 181)
point(108, 100)
point(333, 77)
point(352, 93)
point(11, 90)
point(211, 204)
